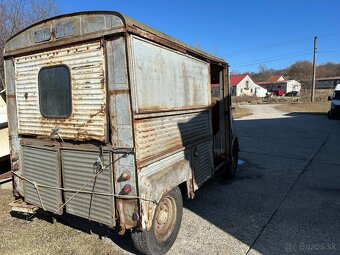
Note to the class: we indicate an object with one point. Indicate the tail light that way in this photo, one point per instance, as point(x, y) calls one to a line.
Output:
point(126, 189)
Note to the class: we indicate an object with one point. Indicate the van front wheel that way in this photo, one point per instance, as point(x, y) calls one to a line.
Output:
point(165, 225)
point(231, 168)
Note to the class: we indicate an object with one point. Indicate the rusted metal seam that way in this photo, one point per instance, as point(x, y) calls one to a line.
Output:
point(128, 56)
point(147, 115)
point(62, 43)
point(108, 123)
point(119, 92)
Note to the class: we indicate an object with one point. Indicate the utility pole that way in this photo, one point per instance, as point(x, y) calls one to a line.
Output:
point(314, 70)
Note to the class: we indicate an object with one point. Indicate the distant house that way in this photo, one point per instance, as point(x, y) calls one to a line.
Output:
point(243, 85)
point(327, 82)
point(277, 82)
point(276, 78)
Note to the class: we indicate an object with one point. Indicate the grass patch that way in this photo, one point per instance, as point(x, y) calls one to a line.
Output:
point(316, 107)
point(240, 112)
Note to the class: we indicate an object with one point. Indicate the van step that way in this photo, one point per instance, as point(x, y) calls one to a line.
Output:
point(23, 207)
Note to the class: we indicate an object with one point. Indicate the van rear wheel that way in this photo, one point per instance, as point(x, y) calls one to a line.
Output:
point(165, 225)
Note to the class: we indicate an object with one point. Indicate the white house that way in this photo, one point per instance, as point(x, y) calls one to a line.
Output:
point(277, 82)
point(243, 85)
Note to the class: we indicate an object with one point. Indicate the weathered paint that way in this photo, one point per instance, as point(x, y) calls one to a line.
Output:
point(160, 137)
point(63, 27)
point(78, 169)
point(160, 177)
point(14, 140)
point(121, 126)
point(202, 163)
point(86, 65)
point(174, 81)
point(42, 166)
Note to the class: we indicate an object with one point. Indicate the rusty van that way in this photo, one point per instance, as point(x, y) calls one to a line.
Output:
point(113, 121)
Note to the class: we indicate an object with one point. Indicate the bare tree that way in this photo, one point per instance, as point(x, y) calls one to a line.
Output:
point(18, 14)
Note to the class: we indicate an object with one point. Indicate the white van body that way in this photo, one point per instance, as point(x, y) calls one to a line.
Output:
point(335, 103)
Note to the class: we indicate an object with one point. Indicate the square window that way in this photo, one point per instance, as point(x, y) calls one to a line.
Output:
point(55, 92)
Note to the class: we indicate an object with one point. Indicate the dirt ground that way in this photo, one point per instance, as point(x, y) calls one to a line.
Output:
point(300, 107)
point(41, 236)
point(316, 108)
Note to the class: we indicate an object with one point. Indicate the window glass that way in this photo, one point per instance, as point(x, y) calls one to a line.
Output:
point(55, 92)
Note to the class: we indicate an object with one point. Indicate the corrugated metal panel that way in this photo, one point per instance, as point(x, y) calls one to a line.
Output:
point(202, 163)
point(78, 169)
point(162, 136)
point(42, 166)
point(88, 118)
point(173, 80)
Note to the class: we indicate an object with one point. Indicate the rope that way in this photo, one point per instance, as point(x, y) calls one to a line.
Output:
point(35, 184)
point(88, 192)
point(101, 169)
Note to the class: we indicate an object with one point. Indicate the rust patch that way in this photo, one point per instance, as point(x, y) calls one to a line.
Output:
point(119, 92)
point(101, 111)
point(129, 206)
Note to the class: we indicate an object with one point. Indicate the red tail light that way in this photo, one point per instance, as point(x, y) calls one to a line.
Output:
point(126, 189)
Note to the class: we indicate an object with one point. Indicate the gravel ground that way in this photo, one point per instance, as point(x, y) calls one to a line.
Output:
point(42, 236)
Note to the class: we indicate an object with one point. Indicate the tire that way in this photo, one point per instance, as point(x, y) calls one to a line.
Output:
point(232, 166)
point(165, 225)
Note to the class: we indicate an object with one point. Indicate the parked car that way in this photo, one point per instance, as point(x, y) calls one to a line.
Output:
point(279, 92)
point(292, 94)
point(335, 103)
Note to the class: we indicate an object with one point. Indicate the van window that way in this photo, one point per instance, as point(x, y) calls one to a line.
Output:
point(55, 92)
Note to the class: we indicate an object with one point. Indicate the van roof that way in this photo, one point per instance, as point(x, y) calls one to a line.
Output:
point(95, 23)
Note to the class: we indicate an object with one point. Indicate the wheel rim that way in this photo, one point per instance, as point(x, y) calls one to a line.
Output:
point(165, 218)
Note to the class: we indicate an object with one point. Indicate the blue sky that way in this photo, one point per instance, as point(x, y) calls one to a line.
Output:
point(245, 33)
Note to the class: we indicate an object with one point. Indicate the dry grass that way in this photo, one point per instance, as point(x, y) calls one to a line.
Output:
point(240, 112)
point(316, 108)
point(42, 236)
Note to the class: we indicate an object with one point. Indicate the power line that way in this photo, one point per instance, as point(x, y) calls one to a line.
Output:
point(280, 44)
point(273, 60)
point(273, 45)
point(270, 58)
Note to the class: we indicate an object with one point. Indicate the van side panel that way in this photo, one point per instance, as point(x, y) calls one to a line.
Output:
point(168, 80)
point(172, 121)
